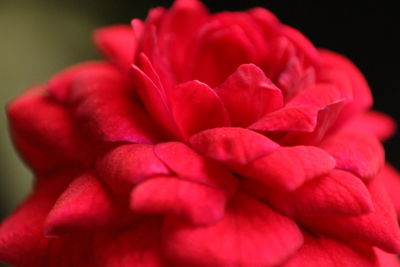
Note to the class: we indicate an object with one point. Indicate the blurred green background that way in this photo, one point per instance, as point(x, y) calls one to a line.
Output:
point(41, 37)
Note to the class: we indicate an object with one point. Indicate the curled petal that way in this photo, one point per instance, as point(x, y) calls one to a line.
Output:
point(250, 234)
point(118, 44)
point(151, 92)
point(176, 33)
point(189, 165)
point(196, 107)
point(359, 153)
point(361, 94)
point(138, 246)
point(322, 251)
point(307, 117)
point(390, 177)
point(232, 145)
point(61, 84)
point(127, 165)
point(337, 193)
point(267, 22)
point(289, 167)
point(387, 259)
point(83, 206)
point(373, 122)
point(303, 45)
point(112, 113)
point(219, 51)
point(45, 135)
point(22, 232)
point(378, 228)
point(248, 95)
point(200, 204)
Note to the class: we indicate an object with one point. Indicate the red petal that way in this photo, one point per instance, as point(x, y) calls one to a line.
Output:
point(289, 118)
point(250, 234)
point(327, 252)
point(139, 246)
point(312, 111)
point(248, 95)
point(386, 259)
point(83, 206)
point(118, 44)
point(219, 50)
point(128, 165)
point(362, 97)
point(338, 193)
point(75, 249)
point(189, 165)
point(289, 167)
point(378, 228)
point(179, 27)
point(113, 113)
point(372, 122)
point(359, 153)
point(60, 85)
point(196, 107)
point(232, 145)
point(153, 96)
point(21, 235)
point(268, 23)
point(390, 177)
point(45, 135)
point(304, 46)
point(200, 204)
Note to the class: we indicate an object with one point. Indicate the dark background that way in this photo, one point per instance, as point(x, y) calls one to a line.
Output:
point(40, 37)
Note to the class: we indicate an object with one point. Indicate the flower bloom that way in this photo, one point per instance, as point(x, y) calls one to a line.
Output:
point(204, 139)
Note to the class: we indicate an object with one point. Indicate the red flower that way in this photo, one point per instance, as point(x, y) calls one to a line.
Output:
point(204, 140)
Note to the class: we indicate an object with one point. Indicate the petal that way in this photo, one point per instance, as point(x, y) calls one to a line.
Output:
point(390, 177)
point(378, 228)
point(248, 95)
point(113, 113)
point(232, 145)
point(304, 46)
point(313, 112)
point(289, 167)
point(189, 165)
point(362, 97)
point(200, 204)
point(359, 153)
point(60, 85)
point(75, 249)
point(387, 259)
point(45, 135)
point(21, 235)
point(378, 124)
point(196, 107)
point(177, 31)
point(290, 118)
point(337, 193)
point(218, 51)
point(138, 246)
point(118, 44)
point(267, 22)
point(153, 96)
point(127, 165)
point(322, 251)
point(84, 206)
point(250, 234)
